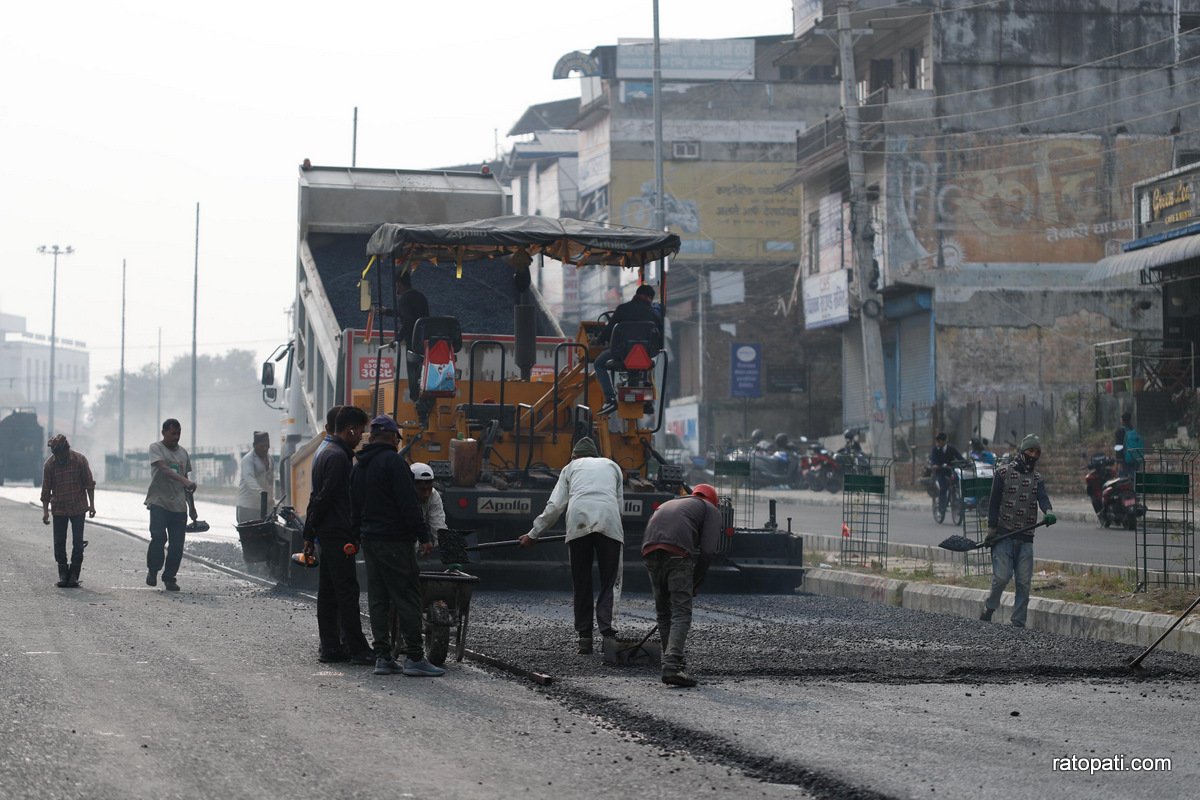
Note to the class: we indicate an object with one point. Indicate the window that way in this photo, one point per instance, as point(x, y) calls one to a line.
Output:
point(685, 150)
point(1189, 24)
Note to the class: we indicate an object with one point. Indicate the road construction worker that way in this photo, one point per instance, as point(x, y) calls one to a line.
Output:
point(590, 490)
point(680, 538)
point(69, 490)
point(1017, 492)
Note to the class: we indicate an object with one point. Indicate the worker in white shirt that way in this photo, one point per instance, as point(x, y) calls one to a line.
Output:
point(430, 498)
point(590, 491)
point(257, 475)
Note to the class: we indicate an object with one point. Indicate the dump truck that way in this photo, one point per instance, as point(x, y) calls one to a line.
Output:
point(520, 394)
point(22, 447)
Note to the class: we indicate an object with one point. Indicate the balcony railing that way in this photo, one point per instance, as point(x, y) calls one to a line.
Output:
point(832, 132)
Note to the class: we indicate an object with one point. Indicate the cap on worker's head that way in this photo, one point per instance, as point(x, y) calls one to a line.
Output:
point(941, 437)
point(645, 290)
point(1031, 442)
point(706, 491)
point(584, 447)
point(422, 472)
point(1126, 416)
point(384, 423)
point(58, 442)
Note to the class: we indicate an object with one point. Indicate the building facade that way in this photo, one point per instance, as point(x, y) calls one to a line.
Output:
point(999, 143)
point(25, 374)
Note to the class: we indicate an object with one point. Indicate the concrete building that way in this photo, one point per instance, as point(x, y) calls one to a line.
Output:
point(1000, 141)
point(25, 373)
point(730, 120)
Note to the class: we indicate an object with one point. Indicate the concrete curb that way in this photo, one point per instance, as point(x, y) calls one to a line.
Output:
point(1054, 616)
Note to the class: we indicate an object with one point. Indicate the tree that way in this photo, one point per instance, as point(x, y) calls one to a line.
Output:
point(229, 404)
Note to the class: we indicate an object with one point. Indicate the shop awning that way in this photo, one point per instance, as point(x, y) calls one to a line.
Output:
point(1149, 265)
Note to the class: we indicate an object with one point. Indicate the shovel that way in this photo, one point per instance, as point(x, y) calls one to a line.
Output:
point(961, 544)
point(514, 543)
point(1137, 662)
point(627, 652)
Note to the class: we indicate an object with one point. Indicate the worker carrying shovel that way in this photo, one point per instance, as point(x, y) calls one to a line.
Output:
point(1017, 492)
point(680, 538)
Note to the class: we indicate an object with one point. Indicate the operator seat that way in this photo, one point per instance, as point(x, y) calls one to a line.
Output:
point(436, 340)
point(633, 348)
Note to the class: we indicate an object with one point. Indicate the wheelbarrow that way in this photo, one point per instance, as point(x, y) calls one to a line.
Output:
point(445, 614)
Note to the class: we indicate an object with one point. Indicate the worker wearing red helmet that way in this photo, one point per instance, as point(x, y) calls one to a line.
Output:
point(681, 536)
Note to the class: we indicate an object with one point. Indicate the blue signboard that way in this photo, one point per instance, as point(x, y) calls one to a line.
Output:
point(745, 370)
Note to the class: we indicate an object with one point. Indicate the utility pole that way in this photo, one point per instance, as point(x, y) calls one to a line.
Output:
point(121, 415)
point(56, 251)
point(158, 386)
point(195, 308)
point(862, 232)
point(354, 141)
point(656, 90)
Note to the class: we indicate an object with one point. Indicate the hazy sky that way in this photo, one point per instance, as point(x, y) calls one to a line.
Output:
point(116, 118)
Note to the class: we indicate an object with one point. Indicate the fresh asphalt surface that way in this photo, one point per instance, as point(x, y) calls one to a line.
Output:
point(119, 690)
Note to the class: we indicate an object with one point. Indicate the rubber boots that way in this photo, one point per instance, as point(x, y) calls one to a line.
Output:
point(64, 573)
point(73, 575)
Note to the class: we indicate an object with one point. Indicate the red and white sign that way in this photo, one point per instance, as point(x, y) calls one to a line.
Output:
point(366, 368)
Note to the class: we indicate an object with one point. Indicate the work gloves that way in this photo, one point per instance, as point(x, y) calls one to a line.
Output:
point(991, 537)
point(1049, 518)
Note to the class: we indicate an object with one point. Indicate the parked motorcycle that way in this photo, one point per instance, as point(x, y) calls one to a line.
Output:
point(849, 460)
point(775, 463)
point(823, 471)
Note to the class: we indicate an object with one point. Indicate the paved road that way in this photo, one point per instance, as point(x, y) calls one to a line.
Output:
point(1075, 538)
point(117, 690)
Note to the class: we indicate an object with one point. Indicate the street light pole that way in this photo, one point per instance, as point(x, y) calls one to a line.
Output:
point(55, 251)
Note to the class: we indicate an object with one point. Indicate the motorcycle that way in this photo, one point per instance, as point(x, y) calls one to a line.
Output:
point(849, 460)
point(1100, 469)
point(1118, 501)
point(823, 471)
point(775, 464)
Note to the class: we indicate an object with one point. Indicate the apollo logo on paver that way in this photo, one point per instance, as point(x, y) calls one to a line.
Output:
point(632, 508)
point(505, 505)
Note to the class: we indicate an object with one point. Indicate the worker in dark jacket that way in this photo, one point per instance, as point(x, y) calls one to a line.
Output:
point(941, 461)
point(1017, 492)
point(680, 538)
point(387, 514)
point(639, 309)
point(327, 522)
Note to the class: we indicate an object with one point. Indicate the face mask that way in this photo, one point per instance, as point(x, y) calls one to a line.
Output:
point(1029, 461)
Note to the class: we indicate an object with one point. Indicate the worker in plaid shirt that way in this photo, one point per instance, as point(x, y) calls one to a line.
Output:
point(68, 490)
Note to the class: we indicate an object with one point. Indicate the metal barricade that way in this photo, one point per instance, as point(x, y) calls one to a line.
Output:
point(866, 501)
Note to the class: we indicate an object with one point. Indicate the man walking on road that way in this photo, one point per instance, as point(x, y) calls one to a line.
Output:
point(680, 537)
point(69, 490)
point(328, 522)
point(1017, 493)
point(170, 500)
point(941, 460)
point(386, 513)
point(591, 490)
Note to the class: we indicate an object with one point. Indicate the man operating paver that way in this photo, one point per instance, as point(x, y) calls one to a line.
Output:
point(1017, 492)
point(680, 537)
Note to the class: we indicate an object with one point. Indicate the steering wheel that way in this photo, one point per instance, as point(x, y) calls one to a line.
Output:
point(604, 317)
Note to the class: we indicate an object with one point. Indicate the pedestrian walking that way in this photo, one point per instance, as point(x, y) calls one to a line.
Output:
point(170, 500)
point(1017, 492)
point(681, 536)
point(590, 490)
point(256, 476)
point(387, 514)
point(328, 523)
point(68, 491)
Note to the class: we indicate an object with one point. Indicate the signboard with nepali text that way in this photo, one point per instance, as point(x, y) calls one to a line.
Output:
point(745, 370)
